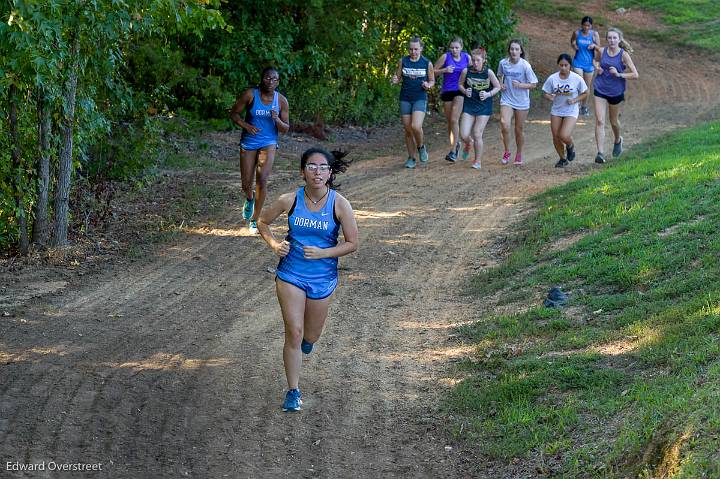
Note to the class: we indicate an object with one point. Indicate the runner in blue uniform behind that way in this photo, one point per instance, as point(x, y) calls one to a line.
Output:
point(307, 273)
point(266, 114)
point(584, 41)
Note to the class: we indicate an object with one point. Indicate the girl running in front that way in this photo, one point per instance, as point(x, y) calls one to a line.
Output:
point(566, 90)
point(307, 274)
point(517, 79)
point(450, 65)
point(418, 76)
point(613, 66)
point(584, 41)
point(266, 114)
point(479, 84)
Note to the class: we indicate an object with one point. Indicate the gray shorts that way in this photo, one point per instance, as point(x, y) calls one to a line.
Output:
point(408, 107)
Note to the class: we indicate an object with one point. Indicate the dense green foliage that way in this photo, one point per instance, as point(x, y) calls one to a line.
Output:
point(335, 57)
point(624, 381)
point(164, 56)
point(70, 55)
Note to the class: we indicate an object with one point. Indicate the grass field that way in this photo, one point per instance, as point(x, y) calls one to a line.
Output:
point(694, 23)
point(624, 380)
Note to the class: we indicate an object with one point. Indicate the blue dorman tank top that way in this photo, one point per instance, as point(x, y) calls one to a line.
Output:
point(583, 55)
point(311, 228)
point(259, 115)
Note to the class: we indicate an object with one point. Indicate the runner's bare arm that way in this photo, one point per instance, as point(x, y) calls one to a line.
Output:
point(573, 42)
point(241, 104)
point(268, 215)
point(581, 97)
point(596, 60)
point(495, 82)
point(282, 121)
point(633, 74)
point(398, 74)
point(461, 83)
point(440, 61)
point(431, 77)
point(345, 215)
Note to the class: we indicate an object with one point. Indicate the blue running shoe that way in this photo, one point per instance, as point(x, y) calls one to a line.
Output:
point(422, 152)
point(618, 148)
point(410, 163)
point(306, 347)
point(293, 400)
point(252, 227)
point(248, 209)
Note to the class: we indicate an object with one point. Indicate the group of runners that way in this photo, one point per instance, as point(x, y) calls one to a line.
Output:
point(469, 85)
point(306, 276)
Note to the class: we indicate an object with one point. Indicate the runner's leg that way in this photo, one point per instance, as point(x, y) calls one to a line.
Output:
point(292, 304)
point(266, 157)
point(555, 125)
point(506, 114)
point(520, 117)
point(478, 130)
point(601, 105)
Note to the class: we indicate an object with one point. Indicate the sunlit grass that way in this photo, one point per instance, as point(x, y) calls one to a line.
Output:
point(613, 382)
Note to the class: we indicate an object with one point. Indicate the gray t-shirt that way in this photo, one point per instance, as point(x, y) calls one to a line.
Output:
point(572, 87)
point(517, 98)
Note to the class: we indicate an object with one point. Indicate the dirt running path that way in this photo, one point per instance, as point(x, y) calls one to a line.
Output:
point(172, 366)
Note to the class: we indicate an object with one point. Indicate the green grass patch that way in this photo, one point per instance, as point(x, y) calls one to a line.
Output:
point(695, 22)
point(623, 381)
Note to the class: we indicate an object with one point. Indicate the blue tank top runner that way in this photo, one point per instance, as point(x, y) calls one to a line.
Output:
point(311, 228)
point(259, 115)
point(583, 55)
point(413, 75)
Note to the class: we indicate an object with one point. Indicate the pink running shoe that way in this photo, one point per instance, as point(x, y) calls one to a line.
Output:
point(506, 158)
point(518, 160)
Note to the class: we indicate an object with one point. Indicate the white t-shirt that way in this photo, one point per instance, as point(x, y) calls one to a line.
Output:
point(571, 87)
point(517, 98)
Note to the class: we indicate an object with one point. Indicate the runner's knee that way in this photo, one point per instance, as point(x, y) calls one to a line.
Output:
point(293, 336)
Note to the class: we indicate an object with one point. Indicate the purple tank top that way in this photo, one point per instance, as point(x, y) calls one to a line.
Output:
point(608, 84)
point(450, 80)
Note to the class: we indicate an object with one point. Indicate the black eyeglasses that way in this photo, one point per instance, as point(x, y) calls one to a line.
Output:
point(312, 168)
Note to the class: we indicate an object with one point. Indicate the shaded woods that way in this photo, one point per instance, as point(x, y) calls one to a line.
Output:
point(79, 81)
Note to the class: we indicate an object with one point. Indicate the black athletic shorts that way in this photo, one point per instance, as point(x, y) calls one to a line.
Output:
point(613, 100)
point(450, 95)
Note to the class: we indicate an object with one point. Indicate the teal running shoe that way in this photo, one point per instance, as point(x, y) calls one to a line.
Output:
point(252, 227)
point(293, 401)
point(422, 152)
point(410, 163)
point(466, 151)
point(248, 208)
point(306, 347)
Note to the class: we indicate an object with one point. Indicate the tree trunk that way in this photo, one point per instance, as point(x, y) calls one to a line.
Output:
point(62, 193)
point(40, 228)
point(17, 167)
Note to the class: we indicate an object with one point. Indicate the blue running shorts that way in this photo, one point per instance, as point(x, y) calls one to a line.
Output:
point(314, 289)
